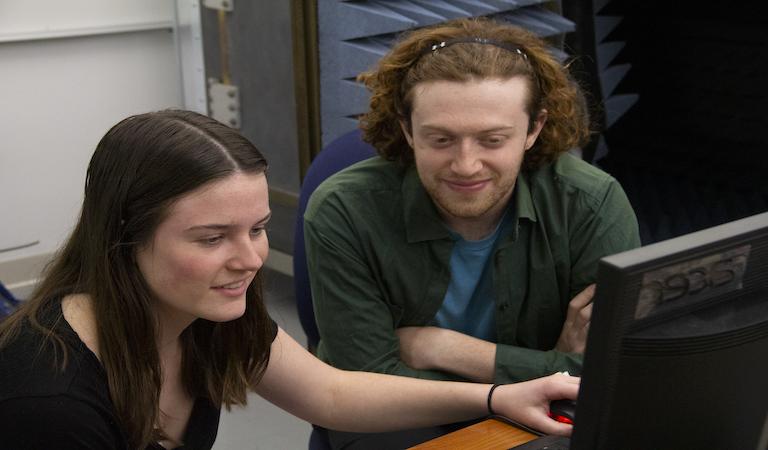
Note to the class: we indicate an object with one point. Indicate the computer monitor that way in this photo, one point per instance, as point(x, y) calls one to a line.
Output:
point(677, 350)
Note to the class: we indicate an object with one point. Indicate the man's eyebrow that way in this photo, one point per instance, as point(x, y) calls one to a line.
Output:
point(429, 127)
point(224, 226)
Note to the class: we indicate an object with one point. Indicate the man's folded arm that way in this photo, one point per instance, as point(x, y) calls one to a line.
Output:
point(356, 324)
point(477, 360)
point(514, 364)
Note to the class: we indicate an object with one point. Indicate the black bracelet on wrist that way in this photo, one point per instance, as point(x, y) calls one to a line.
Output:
point(490, 395)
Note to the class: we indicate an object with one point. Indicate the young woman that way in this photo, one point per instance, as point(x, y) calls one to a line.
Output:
point(151, 317)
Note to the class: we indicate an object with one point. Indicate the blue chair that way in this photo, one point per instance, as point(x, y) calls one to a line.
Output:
point(340, 153)
point(8, 302)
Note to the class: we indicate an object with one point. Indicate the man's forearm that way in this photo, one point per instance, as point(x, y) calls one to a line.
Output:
point(468, 356)
point(448, 351)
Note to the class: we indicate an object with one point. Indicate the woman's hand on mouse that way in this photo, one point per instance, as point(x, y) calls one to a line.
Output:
point(528, 402)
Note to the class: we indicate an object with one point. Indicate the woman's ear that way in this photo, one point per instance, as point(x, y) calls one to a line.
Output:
point(538, 124)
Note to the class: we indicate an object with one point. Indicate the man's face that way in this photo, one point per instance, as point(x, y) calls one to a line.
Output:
point(468, 140)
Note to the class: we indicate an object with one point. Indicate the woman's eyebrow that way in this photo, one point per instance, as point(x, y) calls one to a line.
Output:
point(224, 226)
point(209, 226)
point(265, 219)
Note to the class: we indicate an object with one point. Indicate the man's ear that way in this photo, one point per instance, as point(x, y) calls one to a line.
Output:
point(538, 124)
point(406, 128)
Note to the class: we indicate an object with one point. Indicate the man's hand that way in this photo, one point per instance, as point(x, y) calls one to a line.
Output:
point(433, 348)
point(573, 338)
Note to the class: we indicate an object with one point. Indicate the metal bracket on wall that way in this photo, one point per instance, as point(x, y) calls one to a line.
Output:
point(224, 103)
point(221, 5)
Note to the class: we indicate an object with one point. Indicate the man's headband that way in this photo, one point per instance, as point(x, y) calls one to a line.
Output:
point(472, 40)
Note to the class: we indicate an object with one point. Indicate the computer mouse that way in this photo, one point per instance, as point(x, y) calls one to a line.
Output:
point(563, 410)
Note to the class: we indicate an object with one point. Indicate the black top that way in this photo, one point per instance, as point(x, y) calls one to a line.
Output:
point(72, 408)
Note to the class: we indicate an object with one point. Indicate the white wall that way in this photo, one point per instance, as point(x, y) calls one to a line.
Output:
point(68, 71)
point(36, 16)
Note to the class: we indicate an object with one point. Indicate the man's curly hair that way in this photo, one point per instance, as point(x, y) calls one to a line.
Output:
point(411, 62)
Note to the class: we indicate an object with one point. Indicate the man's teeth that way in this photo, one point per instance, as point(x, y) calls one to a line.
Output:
point(232, 285)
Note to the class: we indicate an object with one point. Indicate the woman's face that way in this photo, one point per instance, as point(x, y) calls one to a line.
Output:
point(208, 249)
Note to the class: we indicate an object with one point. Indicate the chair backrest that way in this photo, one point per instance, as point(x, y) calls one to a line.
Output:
point(7, 301)
point(340, 153)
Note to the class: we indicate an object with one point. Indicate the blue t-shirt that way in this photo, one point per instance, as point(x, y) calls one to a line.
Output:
point(468, 306)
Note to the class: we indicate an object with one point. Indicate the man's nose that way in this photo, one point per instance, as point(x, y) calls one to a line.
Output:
point(466, 161)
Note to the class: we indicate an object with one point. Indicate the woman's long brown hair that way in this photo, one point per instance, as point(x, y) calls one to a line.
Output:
point(140, 167)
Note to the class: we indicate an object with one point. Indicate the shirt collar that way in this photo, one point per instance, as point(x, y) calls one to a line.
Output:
point(422, 221)
point(522, 199)
point(523, 208)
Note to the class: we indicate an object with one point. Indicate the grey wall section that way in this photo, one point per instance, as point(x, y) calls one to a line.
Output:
point(261, 65)
point(353, 35)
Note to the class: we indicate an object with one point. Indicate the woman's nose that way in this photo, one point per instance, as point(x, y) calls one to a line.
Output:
point(247, 256)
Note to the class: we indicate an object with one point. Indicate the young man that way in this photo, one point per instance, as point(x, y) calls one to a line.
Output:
point(468, 248)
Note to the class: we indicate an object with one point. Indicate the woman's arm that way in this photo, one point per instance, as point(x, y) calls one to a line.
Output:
point(369, 402)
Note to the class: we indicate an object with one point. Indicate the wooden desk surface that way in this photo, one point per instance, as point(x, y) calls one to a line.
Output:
point(489, 434)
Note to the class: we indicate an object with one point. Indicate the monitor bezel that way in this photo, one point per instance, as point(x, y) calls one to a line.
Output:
point(612, 320)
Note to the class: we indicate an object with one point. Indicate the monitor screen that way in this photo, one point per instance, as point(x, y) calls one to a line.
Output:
point(677, 351)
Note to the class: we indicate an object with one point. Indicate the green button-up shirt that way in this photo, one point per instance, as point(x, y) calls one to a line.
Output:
point(378, 255)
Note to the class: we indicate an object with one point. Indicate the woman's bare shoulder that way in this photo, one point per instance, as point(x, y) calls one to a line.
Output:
point(78, 312)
